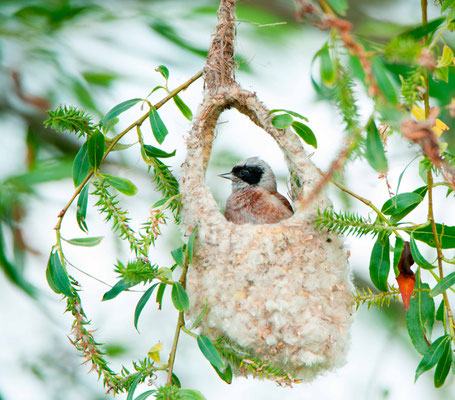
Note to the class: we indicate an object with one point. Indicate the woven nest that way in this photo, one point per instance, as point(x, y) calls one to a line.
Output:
point(280, 291)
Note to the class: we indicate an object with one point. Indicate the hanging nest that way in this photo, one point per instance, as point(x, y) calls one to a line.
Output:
point(280, 291)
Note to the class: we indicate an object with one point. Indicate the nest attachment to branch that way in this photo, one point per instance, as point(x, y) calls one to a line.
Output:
point(280, 291)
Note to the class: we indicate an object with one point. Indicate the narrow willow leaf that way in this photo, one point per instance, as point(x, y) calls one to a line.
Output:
point(95, 149)
point(397, 204)
point(440, 311)
point(446, 58)
point(190, 394)
point(190, 247)
point(374, 152)
point(443, 367)
point(446, 235)
point(123, 185)
point(158, 128)
point(339, 6)
point(199, 317)
point(118, 288)
point(81, 165)
point(160, 202)
point(420, 318)
point(176, 381)
point(380, 263)
point(117, 110)
point(305, 133)
point(327, 67)
point(442, 74)
point(184, 109)
point(423, 30)
point(145, 395)
point(180, 297)
point(163, 71)
point(293, 113)
point(383, 80)
point(142, 302)
point(81, 210)
point(226, 374)
point(179, 256)
point(159, 294)
point(443, 284)
point(210, 352)
point(421, 191)
point(282, 121)
point(157, 153)
point(432, 356)
point(397, 250)
point(86, 242)
point(418, 258)
point(57, 276)
point(133, 386)
point(118, 146)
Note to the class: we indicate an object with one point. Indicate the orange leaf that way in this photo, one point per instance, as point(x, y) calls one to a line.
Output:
point(406, 278)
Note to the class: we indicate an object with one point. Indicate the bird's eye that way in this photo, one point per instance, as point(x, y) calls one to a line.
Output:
point(243, 173)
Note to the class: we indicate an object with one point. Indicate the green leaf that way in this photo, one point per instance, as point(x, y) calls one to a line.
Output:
point(157, 153)
point(199, 317)
point(397, 204)
point(383, 80)
point(133, 386)
point(175, 380)
point(327, 67)
point(443, 367)
point(440, 311)
point(163, 71)
point(180, 297)
point(397, 250)
point(86, 241)
point(190, 394)
point(118, 288)
point(418, 258)
point(81, 165)
point(190, 248)
point(81, 210)
point(123, 185)
point(118, 109)
point(210, 352)
point(380, 263)
point(95, 149)
point(184, 109)
point(420, 318)
point(142, 302)
point(423, 30)
point(339, 6)
point(432, 355)
point(226, 374)
point(374, 152)
point(305, 133)
point(446, 235)
point(159, 294)
point(178, 256)
point(144, 395)
point(442, 74)
point(57, 277)
point(293, 113)
point(446, 59)
point(160, 202)
point(399, 216)
point(443, 284)
point(282, 121)
point(158, 128)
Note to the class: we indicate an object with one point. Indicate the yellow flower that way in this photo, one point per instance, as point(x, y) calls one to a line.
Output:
point(437, 128)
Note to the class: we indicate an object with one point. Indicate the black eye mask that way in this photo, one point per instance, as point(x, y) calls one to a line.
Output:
point(250, 175)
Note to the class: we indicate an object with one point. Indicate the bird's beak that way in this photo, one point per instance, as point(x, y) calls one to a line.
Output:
point(227, 175)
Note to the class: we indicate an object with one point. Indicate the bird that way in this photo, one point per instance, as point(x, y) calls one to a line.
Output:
point(254, 198)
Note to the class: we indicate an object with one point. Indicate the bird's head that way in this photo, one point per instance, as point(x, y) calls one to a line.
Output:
point(251, 172)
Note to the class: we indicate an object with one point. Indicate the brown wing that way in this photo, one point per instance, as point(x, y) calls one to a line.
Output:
point(284, 200)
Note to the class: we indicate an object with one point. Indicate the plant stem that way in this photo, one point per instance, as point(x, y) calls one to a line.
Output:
point(139, 122)
point(178, 328)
